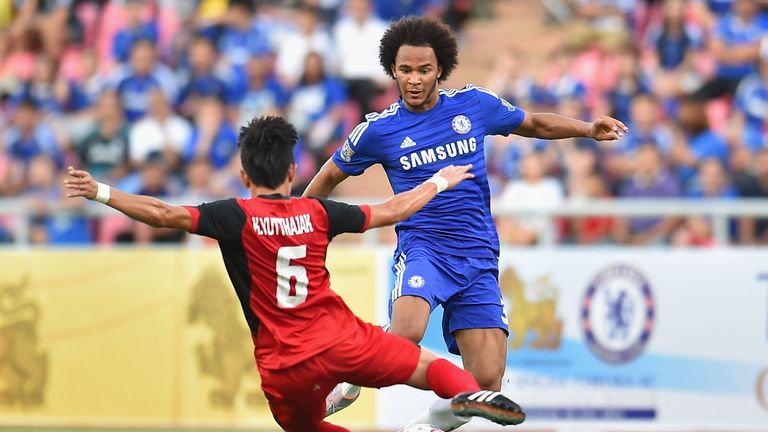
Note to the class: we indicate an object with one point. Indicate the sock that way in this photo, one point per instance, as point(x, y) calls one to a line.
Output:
point(447, 380)
point(440, 416)
point(329, 427)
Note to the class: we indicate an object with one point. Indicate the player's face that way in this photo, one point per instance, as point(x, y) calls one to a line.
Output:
point(416, 72)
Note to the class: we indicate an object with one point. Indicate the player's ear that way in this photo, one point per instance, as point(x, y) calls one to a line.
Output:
point(439, 72)
point(292, 172)
point(244, 178)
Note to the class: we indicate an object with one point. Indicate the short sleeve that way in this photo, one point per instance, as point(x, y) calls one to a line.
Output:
point(345, 218)
point(501, 117)
point(358, 151)
point(221, 220)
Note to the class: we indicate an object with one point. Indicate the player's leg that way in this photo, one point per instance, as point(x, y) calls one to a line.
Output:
point(478, 306)
point(410, 316)
point(484, 354)
point(295, 396)
point(462, 396)
point(417, 279)
point(475, 325)
point(420, 283)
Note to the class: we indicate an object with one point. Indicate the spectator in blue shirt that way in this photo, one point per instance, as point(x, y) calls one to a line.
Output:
point(675, 40)
point(203, 81)
point(751, 104)
point(650, 179)
point(695, 140)
point(212, 138)
point(134, 30)
point(52, 227)
point(711, 181)
point(135, 82)
point(317, 107)
point(29, 137)
point(735, 45)
point(264, 94)
point(52, 94)
point(631, 82)
point(393, 10)
point(241, 39)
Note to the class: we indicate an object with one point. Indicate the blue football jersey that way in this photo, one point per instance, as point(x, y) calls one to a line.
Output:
point(412, 146)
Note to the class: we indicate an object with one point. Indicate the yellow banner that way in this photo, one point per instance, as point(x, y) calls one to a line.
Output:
point(144, 337)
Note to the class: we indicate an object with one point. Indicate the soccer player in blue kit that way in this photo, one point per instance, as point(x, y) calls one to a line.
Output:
point(447, 253)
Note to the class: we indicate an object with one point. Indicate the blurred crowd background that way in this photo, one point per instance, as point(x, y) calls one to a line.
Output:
point(148, 95)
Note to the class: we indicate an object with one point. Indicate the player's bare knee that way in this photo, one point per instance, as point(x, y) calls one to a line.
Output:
point(409, 330)
point(489, 377)
point(489, 380)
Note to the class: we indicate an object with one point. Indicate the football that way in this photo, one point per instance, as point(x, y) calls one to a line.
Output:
point(420, 428)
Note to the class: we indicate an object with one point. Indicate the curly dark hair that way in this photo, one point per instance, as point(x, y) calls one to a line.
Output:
point(420, 31)
point(266, 150)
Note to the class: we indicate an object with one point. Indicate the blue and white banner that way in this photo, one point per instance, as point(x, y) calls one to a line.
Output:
point(617, 339)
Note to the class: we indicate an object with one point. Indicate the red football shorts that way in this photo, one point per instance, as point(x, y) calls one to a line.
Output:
point(366, 356)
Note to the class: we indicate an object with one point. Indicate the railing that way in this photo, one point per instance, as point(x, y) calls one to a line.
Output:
point(718, 211)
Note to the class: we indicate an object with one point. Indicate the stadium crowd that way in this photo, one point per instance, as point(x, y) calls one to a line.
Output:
point(148, 95)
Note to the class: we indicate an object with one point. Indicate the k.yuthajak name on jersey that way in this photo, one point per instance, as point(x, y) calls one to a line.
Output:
point(289, 226)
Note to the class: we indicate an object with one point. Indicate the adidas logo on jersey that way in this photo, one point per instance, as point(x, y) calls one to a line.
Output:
point(407, 142)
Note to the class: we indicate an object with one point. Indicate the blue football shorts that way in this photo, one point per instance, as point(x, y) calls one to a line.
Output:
point(466, 287)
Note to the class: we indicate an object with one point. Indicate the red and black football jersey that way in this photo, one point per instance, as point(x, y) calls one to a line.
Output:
point(274, 249)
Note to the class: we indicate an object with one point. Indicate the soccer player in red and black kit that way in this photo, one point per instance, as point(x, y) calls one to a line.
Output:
point(274, 250)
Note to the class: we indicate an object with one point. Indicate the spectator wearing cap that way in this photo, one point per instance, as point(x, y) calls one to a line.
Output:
point(136, 81)
point(136, 28)
point(695, 141)
point(735, 45)
point(203, 80)
point(649, 179)
point(354, 35)
point(212, 138)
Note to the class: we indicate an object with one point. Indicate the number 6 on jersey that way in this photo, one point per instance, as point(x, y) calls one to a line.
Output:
point(284, 272)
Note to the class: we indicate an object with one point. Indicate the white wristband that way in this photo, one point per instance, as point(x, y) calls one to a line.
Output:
point(102, 194)
point(439, 181)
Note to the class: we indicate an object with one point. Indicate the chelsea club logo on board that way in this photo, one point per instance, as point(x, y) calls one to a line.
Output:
point(461, 124)
point(617, 314)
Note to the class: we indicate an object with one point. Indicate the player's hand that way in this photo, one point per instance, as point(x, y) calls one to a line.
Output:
point(607, 129)
point(456, 174)
point(80, 184)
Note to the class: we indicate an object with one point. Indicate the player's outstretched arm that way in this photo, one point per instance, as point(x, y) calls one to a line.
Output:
point(145, 209)
point(405, 204)
point(555, 126)
point(326, 180)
